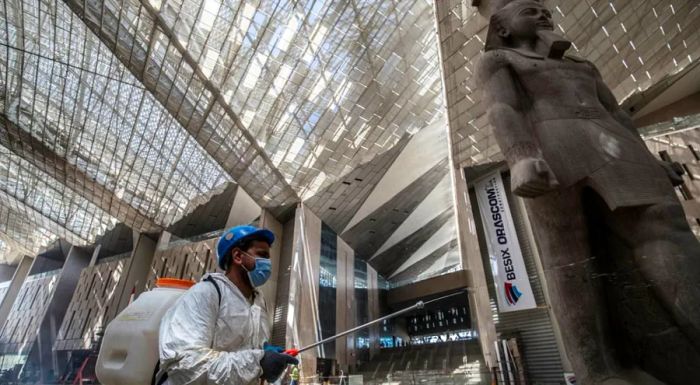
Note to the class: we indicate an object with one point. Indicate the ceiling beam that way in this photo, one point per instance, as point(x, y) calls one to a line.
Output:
point(265, 183)
point(637, 101)
point(14, 244)
point(21, 234)
point(445, 283)
point(34, 151)
point(41, 220)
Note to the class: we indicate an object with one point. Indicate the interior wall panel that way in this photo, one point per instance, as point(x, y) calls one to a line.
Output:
point(183, 261)
point(93, 304)
point(22, 326)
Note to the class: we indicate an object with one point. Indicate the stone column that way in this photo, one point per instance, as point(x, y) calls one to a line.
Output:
point(163, 240)
point(6, 272)
point(345, 304)
point(269, 289)
point(373, 305)
point(479, 304)
point(565, 362)
point(136, 270)
point(18, 278)
point(292, 250)
point(304, 288)
point(49, 361)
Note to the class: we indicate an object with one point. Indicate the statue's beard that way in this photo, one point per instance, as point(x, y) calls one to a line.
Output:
point(554, 45)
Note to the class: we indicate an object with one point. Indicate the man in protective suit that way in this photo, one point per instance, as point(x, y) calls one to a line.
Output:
point(216, 333)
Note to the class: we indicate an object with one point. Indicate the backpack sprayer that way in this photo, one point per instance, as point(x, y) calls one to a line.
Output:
point(418, 305)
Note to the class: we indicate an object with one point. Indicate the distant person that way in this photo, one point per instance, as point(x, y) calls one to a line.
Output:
point(295, 375)
point(216, 332)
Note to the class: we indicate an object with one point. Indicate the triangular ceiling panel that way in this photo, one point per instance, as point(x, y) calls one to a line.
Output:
point(388, 261)
point(433, 264)
point(427, 148)
point(207, 217)
point(445, 234)
point(369, 234)
point(435, 204)
point(337, 203)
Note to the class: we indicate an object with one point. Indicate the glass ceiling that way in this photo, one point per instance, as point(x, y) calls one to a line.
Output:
point(27, 237)
point(129, 111)
point(321, 86)
point(135, 111)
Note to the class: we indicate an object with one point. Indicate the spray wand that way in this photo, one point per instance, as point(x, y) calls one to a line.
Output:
point(418, 305)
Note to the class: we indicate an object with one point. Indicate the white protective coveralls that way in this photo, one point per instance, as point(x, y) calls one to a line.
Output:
point(202, 343)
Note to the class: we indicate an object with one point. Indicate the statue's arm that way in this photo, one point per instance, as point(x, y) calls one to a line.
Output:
point(607, 99)
point(510, 125)
point(530, 174)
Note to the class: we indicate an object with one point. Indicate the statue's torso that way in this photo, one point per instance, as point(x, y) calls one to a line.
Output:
point(563, 89)
point(578, 137)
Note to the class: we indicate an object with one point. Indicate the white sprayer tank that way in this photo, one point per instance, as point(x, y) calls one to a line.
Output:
point(129, 351)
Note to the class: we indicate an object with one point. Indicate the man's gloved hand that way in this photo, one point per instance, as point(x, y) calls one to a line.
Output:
point(273, 364)
point(272, 348)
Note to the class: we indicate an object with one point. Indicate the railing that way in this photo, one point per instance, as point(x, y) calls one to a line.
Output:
point(406, 378)
point(475, 377)
point(317, 380)
point(669, 127)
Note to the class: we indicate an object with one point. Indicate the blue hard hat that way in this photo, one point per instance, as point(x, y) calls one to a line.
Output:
point(233, 236)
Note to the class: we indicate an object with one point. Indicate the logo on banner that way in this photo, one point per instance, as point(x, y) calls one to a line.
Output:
point(570, 378)
point(512, 293)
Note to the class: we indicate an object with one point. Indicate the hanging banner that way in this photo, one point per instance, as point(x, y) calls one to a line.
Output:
point(509, 273)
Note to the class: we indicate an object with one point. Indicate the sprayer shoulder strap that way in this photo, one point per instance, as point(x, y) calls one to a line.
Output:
point(155, 380)
point(216, 286)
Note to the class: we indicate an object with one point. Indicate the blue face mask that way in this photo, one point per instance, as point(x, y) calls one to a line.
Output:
point(261, 272)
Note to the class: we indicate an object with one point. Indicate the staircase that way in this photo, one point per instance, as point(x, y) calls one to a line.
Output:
point(455, 362)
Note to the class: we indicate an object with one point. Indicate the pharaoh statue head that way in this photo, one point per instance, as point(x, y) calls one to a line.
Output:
point(516, 21)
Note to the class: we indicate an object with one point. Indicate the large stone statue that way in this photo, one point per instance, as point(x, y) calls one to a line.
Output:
point(621, 263)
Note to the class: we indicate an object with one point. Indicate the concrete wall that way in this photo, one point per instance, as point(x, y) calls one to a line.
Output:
point(281, 329)
point(93, 304)
point(50, 361)
point(22, 326)
point(135, 271)
point(269, 289)
point(9, 290)
point(43, 264)
point(183, 261)
point(244, 209)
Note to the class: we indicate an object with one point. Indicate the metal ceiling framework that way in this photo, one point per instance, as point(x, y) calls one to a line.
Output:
point(134, 111)
point(78, 124)
point(304, 90)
